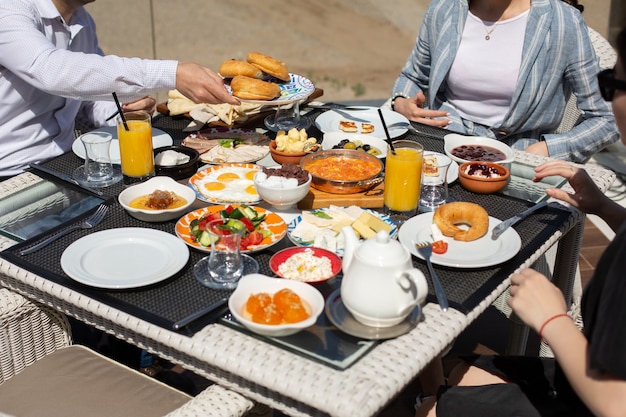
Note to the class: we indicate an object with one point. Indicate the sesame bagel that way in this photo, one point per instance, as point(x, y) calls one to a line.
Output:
point(448, 216)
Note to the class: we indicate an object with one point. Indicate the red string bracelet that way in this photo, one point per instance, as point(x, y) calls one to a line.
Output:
point(556, 316)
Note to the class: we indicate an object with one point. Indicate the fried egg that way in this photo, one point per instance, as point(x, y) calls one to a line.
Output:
point(229, 183)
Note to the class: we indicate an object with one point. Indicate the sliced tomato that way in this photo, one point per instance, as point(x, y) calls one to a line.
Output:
point(204, 220)
point(229, 209)
point(248, 223)
point(251, 239)
point(440, 247)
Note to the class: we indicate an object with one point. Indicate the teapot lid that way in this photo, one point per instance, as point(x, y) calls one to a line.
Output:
point(382, 250)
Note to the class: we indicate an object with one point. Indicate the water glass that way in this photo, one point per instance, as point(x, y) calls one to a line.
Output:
point(403, 174)
point(134, 132)
point(224, 266)
point(434, 190)
point(97, 171)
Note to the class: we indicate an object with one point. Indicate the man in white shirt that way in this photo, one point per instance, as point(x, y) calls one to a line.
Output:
point(52, 70)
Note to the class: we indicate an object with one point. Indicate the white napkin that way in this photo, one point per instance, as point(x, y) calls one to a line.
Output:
point(204, 113)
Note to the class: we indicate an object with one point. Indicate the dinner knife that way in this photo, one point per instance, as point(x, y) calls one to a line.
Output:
point(64, 177)
point(198, 314)
point(500, 228)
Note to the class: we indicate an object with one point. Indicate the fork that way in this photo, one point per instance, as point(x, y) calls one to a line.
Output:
point(426, 250)
point(88, 223)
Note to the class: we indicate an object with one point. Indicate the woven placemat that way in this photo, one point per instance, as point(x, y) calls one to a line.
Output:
point(180, 296)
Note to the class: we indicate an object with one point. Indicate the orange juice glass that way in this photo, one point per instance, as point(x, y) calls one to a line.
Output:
point(136, 151)
point(403, 177)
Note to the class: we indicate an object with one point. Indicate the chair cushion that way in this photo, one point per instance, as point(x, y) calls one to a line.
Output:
point(76, 381)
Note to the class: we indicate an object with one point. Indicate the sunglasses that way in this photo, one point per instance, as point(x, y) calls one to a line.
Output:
point(608, 84)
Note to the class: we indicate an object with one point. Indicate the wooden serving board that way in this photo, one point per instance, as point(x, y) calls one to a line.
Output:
point(372, 198)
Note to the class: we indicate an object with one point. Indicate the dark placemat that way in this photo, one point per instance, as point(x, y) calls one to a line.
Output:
point(180, 296)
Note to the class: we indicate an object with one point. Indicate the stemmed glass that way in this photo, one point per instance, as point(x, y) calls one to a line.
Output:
point(287, 117)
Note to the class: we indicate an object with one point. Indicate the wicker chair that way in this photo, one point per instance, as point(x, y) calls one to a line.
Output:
point(42, 373)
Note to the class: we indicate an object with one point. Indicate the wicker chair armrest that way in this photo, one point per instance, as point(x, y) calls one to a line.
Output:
point(28, 332)
point(214, 401)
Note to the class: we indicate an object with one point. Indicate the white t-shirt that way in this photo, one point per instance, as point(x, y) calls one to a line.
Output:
point(484, 73)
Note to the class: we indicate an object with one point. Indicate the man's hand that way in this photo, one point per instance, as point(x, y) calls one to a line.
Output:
point(202, 85)
point(146, 103)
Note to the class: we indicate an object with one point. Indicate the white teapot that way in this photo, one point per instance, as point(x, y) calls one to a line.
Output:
point(380, 286)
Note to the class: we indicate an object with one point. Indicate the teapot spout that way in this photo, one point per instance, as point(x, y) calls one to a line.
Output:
point(350, 245)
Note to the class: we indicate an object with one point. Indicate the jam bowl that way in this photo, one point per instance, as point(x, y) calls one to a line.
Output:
point(477, 148)
point(483, 177)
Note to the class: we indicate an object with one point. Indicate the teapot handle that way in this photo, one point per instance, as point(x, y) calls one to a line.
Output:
point(414, 280)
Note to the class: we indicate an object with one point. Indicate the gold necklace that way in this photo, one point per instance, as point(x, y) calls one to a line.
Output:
point(489, 32)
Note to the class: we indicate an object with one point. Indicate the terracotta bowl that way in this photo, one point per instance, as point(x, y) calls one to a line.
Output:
point(479, 183)
point(284, 157)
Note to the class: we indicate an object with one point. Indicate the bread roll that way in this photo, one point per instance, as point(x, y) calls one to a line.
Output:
point(249, 88)
point(232, 67)
point(449, 215)
point(269, 65)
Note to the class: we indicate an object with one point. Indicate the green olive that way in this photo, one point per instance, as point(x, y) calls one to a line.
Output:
point(349, 145)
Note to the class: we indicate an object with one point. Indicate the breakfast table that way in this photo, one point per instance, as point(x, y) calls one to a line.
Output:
point(328, 374)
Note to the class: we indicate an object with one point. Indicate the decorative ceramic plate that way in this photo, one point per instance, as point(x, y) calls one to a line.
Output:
point(122, 258)
point(272, 222)
point(299, 88)
point(226, 184)
point(340, 248)
point(475, 254)
point(159, 139)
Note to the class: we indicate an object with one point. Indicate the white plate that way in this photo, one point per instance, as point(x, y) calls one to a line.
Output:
point(340, 250)
point(159, 139)
point(127, 257)
point(329, 121)
point(453, 171)
point(299, 88)
point(476, 254)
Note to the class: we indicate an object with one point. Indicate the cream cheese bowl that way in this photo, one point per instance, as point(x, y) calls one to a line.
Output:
point(148, 187)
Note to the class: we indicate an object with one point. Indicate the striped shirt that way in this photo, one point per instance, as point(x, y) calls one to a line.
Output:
point(558, 59)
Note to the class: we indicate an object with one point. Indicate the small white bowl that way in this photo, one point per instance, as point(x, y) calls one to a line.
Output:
point(333, 138)
point(453, 140)
point(147, 187)
point(281, 198)
point(256, 283)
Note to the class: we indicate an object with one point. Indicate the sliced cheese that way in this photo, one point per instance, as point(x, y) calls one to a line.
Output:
point(373, 222)
point(364, 230)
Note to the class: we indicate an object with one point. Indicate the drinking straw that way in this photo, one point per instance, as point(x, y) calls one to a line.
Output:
point(119, 110)
point(389, 141)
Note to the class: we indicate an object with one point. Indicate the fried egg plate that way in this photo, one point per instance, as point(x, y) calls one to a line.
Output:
point(226, 183)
